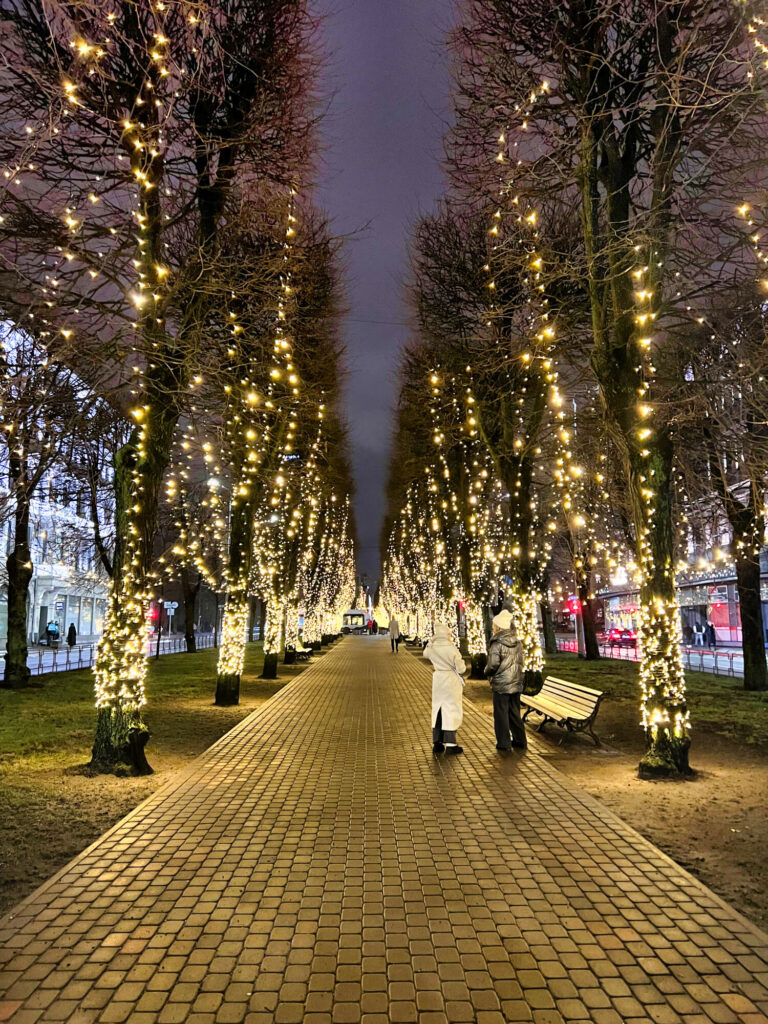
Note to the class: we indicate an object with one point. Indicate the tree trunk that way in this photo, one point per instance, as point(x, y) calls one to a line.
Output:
point(618, 359)
point(269, 671)
point(236, 611)
point(19, 565)
point(273, 638)
point(121, 663)
point(252, 618)
point(747, 523)
point(232, 652)
point(118, 747)
point(548, 627)
point(750, 605)
point(591, 648)
point(190, 592)
point(662, 677)
point(291, 633)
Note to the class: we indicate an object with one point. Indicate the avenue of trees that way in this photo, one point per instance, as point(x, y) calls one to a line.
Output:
point(589, 329)
point(170, 295)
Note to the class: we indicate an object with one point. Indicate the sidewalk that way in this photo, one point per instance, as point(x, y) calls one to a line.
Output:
point(319, 865)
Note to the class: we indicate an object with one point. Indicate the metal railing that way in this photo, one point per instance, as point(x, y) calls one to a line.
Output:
point(697, 659)
point(68, 659)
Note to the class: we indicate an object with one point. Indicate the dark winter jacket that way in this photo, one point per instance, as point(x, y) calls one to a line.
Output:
point(505, 662)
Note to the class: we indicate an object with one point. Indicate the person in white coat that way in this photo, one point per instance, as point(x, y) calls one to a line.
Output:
point(394, 633)
point(447, 690)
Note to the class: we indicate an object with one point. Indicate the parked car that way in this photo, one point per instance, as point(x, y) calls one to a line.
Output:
point(622, 638)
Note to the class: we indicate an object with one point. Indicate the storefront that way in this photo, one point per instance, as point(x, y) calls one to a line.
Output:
point(620, 610)
point(51, 600)
point(704, 600)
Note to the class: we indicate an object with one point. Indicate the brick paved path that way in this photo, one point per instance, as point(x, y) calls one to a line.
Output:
point(319, 865)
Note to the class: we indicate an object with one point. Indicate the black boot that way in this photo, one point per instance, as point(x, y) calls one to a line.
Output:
point(438, 748)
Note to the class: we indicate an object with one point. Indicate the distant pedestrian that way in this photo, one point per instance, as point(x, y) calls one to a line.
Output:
point(711, 635)
point(447, 690)
point(698, 634)
point(375, 628)
point(52, 633)
point(505, 671)
point(687, 635)
point(394, 633)
point(72, 635)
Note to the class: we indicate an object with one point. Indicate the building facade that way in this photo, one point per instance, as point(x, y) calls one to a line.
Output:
point(708, 594)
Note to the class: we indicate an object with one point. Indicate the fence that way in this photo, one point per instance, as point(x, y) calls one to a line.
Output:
point(697, 659)
point(68, 659)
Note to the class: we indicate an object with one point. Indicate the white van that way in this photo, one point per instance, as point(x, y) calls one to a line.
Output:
point(355, 621)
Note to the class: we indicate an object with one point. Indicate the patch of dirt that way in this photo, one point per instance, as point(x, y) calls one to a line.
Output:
point(714, 824)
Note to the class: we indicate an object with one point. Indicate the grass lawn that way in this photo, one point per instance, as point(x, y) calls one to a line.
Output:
point(50, 808)
point(718, 704)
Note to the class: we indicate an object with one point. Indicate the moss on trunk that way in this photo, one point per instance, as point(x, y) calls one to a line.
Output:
point(118, 748)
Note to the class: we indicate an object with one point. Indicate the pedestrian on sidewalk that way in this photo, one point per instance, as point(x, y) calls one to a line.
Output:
point(711, 636)
point(505, 671)
point(447, 690)
point(72, 634)
point(394, 633)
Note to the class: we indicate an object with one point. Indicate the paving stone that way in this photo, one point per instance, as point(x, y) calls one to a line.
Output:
point(320, 865)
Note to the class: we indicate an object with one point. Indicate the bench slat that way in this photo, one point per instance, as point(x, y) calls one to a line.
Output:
point(571, 695)
point(568, 698)
point(577, 687)
point(560, 687)
point(565, 698)
point(559, 712)
point(554, 703)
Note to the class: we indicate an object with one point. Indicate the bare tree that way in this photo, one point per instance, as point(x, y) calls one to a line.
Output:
point(145, 122)
point(646, 118)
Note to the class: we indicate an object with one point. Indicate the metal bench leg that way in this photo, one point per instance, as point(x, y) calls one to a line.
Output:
point(594, 736)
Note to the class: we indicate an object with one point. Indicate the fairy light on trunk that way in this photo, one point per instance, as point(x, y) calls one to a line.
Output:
point(663, 705)
point(257, 425)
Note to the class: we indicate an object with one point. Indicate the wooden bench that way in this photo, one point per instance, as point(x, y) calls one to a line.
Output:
point(413, 641)
point(302, 653)
point(569, 705)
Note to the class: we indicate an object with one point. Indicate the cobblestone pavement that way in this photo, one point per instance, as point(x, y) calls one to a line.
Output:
point(318, 864)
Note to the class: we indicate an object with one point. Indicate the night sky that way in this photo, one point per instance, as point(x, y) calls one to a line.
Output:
point(387, 68)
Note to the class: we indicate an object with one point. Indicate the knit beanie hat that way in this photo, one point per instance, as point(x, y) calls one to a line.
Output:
point(503, 620)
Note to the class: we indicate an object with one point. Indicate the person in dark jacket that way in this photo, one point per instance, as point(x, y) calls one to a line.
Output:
point(710, 635)
point(505, 671)
point(72, 634)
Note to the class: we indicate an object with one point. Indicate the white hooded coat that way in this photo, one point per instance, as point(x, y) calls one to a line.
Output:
point(447, 682)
